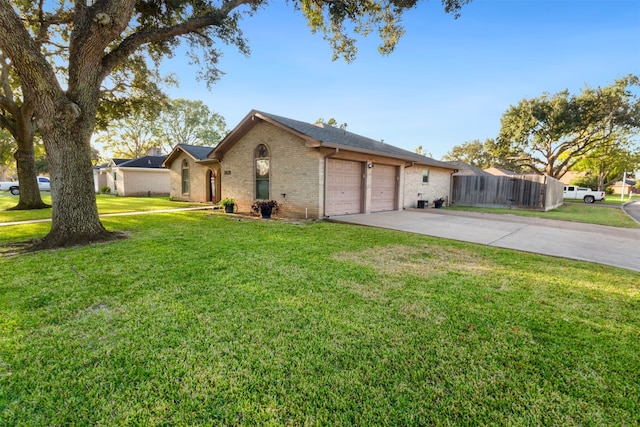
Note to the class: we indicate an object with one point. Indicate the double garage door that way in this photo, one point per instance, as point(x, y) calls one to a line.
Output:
point(345, 187)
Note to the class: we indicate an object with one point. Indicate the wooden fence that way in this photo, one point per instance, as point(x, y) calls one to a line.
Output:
point(536, 192)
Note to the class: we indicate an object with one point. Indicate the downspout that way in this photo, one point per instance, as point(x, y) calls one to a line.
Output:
point(326, 175)
point(449, 202)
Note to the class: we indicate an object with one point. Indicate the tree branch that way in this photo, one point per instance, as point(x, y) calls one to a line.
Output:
point(134, 41)
point(36, 74)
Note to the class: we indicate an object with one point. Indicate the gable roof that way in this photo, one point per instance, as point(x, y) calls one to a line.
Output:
point(144, 162)
point(196, 152)
point(323, 136)
point(116, 162)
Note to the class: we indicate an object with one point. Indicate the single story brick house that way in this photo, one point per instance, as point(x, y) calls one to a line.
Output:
point(312, 170)
point(133, 177)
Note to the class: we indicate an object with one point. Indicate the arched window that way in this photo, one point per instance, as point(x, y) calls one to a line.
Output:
point(185, 177)
point(261, 156)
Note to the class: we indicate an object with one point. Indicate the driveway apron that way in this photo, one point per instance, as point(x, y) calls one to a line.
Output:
point(619, 247)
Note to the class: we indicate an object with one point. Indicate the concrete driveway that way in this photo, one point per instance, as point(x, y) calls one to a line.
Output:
point(619, 247)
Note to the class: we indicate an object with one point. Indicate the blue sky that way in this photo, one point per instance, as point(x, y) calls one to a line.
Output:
point(448, 81)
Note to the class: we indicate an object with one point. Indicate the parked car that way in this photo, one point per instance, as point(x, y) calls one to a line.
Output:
point(581, 193)
point(44, 184)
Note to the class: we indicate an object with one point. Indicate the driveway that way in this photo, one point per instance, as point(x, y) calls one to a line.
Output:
point(619, 247)
point(633, 210)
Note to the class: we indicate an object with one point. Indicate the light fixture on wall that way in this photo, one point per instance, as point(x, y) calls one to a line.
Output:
point(370, 165)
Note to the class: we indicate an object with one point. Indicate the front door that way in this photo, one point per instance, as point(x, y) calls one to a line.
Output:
point(211, 184)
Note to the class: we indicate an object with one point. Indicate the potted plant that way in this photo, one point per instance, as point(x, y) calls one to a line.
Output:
point(228, 204)
point(265, 207)
point(437, 203)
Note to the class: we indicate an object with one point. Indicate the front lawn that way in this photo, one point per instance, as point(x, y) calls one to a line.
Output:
point(597, 213)
point(207, 319)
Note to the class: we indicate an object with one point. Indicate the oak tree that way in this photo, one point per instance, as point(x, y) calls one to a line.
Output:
point(16, 118)
point(551, 133)
point(475, 153)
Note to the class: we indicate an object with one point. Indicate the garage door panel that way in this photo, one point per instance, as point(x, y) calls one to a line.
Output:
point(384, 184)
point(344, 187)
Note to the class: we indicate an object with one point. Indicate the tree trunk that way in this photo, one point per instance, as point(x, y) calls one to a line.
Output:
point(27, 176)
point(26, 163)
point(75, 219)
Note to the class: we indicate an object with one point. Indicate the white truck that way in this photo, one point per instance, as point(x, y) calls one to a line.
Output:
point(44, 184)
point(581, 193)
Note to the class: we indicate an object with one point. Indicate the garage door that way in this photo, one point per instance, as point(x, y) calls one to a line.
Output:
point(383, 188)
point(344, 187)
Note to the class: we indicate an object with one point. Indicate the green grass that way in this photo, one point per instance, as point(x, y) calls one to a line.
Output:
point(599, 214)
point(204, 319)
point(106, 205)
point(614, 200)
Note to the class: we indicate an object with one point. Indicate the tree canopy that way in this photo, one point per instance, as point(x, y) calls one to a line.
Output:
point(475, 153)
point(178, 121)
point(608, 161)
point(552, 133)
point(189, 122)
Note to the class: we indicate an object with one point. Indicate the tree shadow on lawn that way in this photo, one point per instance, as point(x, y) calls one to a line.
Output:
point(8, 250)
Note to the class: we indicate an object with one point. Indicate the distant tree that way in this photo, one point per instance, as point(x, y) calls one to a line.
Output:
point(423, 152)
point(7, 146)
point(189, 122)
point(474, 153)
point(552, 133)
point(132, 136)
point(177, 121)
point(98, 38)
point(17, 118)
point(332, 122)
point(607, 162)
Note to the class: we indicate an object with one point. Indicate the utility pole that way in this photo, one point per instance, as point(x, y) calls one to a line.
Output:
point(624, 181)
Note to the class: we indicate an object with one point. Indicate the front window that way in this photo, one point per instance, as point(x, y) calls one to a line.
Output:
point(261, 156)
point(425, 175)
point(185, 177)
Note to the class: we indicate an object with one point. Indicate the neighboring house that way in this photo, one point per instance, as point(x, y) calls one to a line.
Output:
point(99, 177)
point(629, 187)
point(465, 169)
point(499, 172)
point(193, 176)
point(570, 177)
point(144, 176)
point(312, 170)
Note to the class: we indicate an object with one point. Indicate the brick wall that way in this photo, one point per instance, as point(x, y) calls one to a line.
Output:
point(439, 185)
point(294, 173)
point(197, 179)
point(143, 182)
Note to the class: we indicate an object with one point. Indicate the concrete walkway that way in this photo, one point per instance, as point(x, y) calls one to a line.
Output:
point(619, 247)
point(35, 221)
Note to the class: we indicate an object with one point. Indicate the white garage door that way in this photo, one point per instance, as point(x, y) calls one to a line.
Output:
point(344, 187)
point(383, 188)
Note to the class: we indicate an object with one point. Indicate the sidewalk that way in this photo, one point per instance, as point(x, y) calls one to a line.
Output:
point(35, 221)
point(619, 247)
